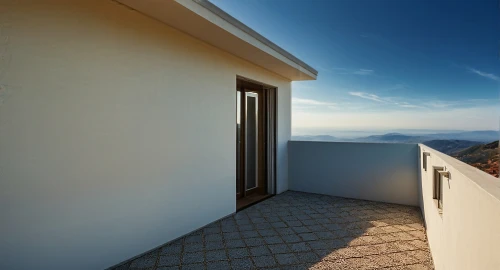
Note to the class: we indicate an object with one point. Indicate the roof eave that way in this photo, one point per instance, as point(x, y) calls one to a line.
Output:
point(205, 21)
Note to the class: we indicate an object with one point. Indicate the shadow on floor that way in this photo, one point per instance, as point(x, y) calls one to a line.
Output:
point(296, 230)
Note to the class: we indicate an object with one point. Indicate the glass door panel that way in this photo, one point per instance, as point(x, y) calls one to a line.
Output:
point(252, 140)
point(239, 144)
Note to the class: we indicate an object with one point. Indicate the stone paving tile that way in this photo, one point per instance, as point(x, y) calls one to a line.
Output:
point(235, 243)
point(301, 246)
point(245, 263)
point(218, 265)
point(254, 242)
point(238, 253)
point(193, 247)
point(216, 255)
point(214, 245)
point(192, 257)
point(168, 268)
point(296, 230)
point(195, 266)
point(279, 248)
point(260, 251)
point(287, 259)
point(169, 260)
point(264, 261)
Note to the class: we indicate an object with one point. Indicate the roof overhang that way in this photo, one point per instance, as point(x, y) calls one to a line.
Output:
point(205, 21)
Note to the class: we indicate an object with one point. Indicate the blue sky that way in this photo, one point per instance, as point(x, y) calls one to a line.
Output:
point(386, 65)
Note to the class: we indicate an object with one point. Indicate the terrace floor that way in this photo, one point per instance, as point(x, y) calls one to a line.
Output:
point(296, 230)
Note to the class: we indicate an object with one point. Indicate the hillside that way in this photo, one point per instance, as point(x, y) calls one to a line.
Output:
point(484, 136)
point(450, 147)
point(484, 157)
point(392, 138)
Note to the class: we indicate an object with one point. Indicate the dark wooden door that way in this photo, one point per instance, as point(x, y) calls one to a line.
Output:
point(250, 142)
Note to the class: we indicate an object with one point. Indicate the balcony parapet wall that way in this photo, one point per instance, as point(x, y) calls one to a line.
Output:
point(368, 171)
point(465, 232)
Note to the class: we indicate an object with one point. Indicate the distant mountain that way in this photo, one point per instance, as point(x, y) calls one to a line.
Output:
point(450, 146)
point(484, 157)
point(392, 138)
point(474, 136)
point(481, 136)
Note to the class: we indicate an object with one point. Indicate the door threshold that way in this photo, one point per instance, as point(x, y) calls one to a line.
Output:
point(250, 200)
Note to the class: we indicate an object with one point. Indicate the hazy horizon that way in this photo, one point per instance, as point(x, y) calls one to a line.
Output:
point(352, 133)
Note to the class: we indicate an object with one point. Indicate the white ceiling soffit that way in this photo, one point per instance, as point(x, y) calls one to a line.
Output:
point(207, 22)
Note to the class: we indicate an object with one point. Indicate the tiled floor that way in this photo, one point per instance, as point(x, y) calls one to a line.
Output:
point(297, 230)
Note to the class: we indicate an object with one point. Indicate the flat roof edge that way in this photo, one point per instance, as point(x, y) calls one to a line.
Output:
point(241, 26)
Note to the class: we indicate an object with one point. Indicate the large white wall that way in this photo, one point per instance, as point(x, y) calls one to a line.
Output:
point(467, 234)
point(117, 133)
point(369, 171)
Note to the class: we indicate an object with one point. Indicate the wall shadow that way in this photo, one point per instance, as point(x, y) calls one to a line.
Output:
point(297, 230)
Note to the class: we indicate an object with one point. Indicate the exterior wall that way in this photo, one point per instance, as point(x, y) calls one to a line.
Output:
point(284, 112)
point(466, 234)
point(368, 171)
point(117, 133)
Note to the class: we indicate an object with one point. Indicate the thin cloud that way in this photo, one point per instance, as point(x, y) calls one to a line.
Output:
point(367, 96)
point(363, 72)
point(387, 100)
point(440, 104)
point(484, 74)
point(467, 103)
point(427, 104)
point(407, 105)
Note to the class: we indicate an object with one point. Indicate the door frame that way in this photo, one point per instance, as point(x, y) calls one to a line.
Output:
point(267, 133)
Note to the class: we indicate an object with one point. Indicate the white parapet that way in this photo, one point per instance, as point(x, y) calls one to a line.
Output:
point(463, 231)
point(368, 171)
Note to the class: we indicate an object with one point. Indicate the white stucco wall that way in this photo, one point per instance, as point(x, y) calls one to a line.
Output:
point(466, 235)
point(368, 171)
point(117, 133)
